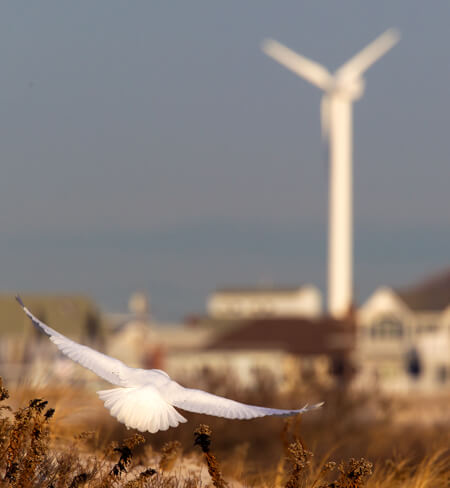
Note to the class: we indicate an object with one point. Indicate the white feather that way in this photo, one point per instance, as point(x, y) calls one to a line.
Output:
point(141, 408)
point(202, 402)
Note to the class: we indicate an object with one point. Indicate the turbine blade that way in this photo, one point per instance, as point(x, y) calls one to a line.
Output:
point(311, 71)
point(369, 55)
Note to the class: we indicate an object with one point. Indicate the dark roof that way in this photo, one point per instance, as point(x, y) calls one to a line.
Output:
point(430, 294)
point(294, 335)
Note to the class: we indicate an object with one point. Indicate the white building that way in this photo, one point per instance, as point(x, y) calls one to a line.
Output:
point(245, 303)
point(403, 339)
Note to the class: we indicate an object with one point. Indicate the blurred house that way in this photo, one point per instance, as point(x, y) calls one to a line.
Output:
point(258, 328)
point(403, 337)
point(279, 330)
point(139, 340)
point(312, 349)
point(247, 331)
point(249, 303)
point(24, 348)
point(133, 338)
point(398, 340)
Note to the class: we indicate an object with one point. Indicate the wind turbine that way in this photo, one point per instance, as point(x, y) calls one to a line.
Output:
point(341, 89)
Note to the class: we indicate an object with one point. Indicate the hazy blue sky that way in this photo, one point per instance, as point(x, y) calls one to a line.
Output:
point(153, 145)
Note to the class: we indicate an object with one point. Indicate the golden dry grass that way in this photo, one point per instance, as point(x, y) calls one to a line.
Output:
point(353, 442)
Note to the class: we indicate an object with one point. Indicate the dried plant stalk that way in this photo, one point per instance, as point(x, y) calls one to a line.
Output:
point(203, 439)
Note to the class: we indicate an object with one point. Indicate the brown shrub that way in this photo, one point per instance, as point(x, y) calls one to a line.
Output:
point(39, 449)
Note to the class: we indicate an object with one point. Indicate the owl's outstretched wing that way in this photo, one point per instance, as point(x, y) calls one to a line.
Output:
point(199, 401)
point(108, 368)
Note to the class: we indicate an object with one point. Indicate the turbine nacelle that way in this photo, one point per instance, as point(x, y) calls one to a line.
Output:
point(351, 89)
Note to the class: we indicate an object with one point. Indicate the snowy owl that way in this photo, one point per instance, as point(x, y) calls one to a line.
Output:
point(146, 400)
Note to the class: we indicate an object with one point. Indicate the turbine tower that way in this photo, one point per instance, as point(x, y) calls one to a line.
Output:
point(341, 89)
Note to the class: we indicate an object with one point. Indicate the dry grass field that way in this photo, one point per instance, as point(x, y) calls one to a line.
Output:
point(59, 436)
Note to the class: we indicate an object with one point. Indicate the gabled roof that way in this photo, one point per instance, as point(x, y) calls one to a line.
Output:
point(382, 299)
point(430, 294)
point(294, 335)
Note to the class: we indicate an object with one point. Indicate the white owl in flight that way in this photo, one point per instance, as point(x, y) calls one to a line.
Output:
point(146, 398)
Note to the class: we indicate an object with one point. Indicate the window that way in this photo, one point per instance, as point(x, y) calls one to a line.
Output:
point(387, 328)
point(427, 328)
